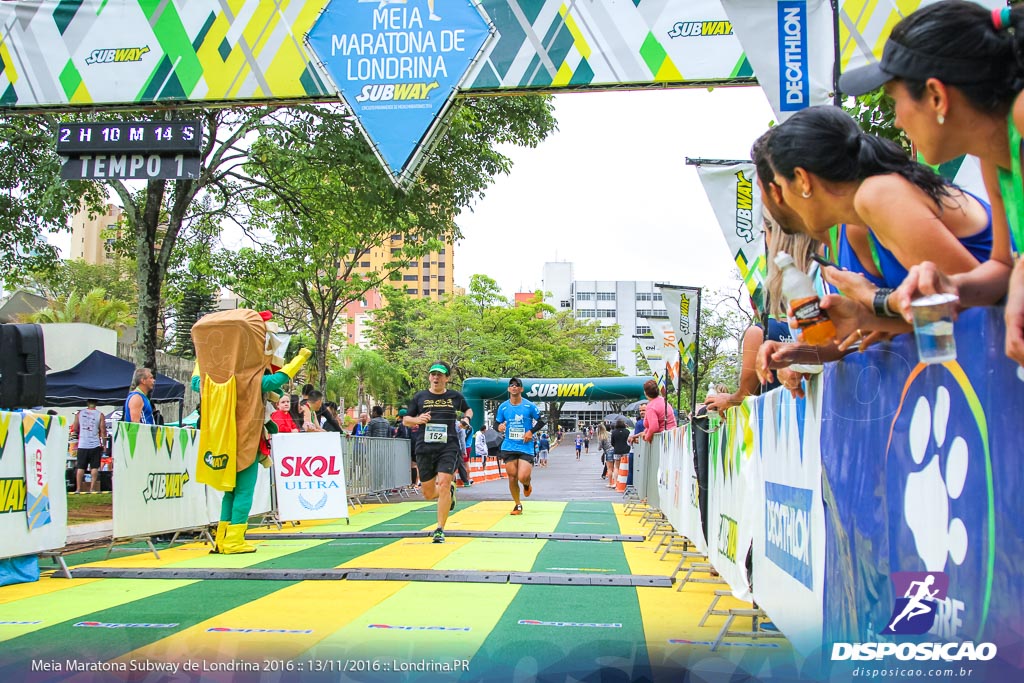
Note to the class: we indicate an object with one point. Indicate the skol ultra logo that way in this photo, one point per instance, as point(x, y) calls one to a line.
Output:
point(914, 613)
point(744, 207)
point(117, 55)
point(696, 29)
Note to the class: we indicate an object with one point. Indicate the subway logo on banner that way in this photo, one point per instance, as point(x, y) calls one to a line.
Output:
point(12, 495)
point(553, 390)
point(116, 55)
point(793, 80)
point(696, 29)
point(165, 485)
point(744, 207)
point(728, 537)
point(787, 522)
point(395, 92)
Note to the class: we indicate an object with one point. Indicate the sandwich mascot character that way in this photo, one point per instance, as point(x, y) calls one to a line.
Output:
point(238, 362)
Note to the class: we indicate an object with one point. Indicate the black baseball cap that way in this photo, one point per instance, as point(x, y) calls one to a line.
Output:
point(515, 381)
point(900, 61)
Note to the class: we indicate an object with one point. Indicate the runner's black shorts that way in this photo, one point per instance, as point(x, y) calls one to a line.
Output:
point(89, 458)
point(429, 464)
point(509, 456)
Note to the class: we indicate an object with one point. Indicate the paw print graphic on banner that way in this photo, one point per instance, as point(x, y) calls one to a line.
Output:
point(929, 490)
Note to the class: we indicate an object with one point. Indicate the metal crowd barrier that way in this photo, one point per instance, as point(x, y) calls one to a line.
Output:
point(375, 466)
point(645, 470)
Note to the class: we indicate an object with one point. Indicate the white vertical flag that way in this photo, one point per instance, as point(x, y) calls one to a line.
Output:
point(681, 305)
point(736, 200)
point(791, 46)
point(651, 351)
point(665, 338)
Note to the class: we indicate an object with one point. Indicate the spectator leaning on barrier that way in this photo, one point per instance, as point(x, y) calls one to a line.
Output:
point(660, 417)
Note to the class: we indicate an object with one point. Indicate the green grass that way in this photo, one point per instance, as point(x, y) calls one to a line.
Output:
point(90, 507)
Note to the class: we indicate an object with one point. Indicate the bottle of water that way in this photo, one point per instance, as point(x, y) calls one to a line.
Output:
point(798, 289)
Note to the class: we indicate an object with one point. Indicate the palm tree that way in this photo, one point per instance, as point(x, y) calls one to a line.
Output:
point(93, 308)
point(363, 372)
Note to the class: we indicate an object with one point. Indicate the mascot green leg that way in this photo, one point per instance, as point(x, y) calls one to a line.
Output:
point(234, 511)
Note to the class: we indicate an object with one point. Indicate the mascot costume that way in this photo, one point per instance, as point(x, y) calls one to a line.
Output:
point(238, 364)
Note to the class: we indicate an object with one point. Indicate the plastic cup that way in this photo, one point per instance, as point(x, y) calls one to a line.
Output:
point(933, 327)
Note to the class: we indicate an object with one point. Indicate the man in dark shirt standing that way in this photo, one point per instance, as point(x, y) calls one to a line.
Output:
point(435, 411)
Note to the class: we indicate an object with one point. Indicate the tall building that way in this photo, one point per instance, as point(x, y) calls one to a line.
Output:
point(428, 277)
point(88, 242)
point(609, 302)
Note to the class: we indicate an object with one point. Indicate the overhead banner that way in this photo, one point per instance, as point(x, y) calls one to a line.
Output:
point(736, 200)
point(309, 476)
point(397, 67)
point(791, 45)
point(94, 52)
point(683, 307)
point(155, 487)
point(864, 26)
point(31, 438)
point(789, 522)
point(936, 491)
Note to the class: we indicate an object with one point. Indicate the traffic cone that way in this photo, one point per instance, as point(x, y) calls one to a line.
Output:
point(620, 484)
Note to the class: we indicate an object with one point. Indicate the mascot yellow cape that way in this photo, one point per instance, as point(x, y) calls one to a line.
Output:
point(238, 354)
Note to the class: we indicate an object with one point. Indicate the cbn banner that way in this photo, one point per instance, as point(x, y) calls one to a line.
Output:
point(41, 440)
point(936, 491)
point(80, 54)
point(650, 349)
point(791, 45)
point(310, 476)
point(683, 307)
point(155, 487)
point(733, 493)
point(789, 522)
point(736, 200)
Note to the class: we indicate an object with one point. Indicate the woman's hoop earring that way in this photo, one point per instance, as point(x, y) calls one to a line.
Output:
point(805, 194)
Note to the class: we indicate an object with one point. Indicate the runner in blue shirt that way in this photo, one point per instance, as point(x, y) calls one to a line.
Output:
point(518, 419)
point(579, 444)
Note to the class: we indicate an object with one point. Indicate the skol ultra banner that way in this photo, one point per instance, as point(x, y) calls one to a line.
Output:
point(732, 493)
point(935, 495)
point(309, 476)
point(736, 200)
point(683, 307)
point(33, 503)
point(155, 487)
point(789, 521)
point(791, 45)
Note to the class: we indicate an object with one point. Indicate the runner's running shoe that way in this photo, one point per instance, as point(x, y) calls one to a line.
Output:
point(439, 535)
point(517, 510)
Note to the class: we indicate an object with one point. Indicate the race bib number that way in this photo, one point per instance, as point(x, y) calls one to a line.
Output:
point(435, 433)
point(516, 433)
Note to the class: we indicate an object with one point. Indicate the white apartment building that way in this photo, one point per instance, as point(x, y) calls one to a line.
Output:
point(609, 302)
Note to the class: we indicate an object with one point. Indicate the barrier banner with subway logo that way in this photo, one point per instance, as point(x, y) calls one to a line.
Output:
point(32, 448)
point(732, 493)
point(791, 45)
point(736, 200)
point(928, 479)
point(789, 519)
point(309, 476)
point(155, 485)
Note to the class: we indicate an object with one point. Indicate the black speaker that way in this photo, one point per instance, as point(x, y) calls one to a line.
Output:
point(22, 366)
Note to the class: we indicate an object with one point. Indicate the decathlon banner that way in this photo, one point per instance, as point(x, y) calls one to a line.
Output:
point(651, 351)
point(935, 490)
point(736, 200)
point(789, 519)
point(665, 337)
point(33, 449)
point(732, 496)
point(791, 45)
point(155, 487)
point(683, 307)
point(309, 476)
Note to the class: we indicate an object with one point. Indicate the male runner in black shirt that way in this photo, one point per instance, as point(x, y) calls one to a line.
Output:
point(436, 441)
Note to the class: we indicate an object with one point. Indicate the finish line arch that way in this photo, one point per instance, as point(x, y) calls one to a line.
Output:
point(480, 389)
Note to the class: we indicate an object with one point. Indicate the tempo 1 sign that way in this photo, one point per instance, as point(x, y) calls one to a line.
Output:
point(129, 167)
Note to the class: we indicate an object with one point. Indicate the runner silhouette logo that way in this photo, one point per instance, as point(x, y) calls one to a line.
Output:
point(914, 613)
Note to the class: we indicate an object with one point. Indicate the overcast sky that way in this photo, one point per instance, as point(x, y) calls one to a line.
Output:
point(611, 193)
